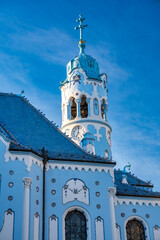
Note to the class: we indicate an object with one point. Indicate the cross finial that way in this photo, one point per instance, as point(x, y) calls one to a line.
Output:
point(81, 27)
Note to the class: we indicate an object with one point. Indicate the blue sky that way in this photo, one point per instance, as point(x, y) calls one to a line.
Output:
point(37, 39)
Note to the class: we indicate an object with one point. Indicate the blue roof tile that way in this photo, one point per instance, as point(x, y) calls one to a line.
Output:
point(27, 128)
point(135, 187)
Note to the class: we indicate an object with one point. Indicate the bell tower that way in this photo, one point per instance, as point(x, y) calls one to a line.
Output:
point(84, 102)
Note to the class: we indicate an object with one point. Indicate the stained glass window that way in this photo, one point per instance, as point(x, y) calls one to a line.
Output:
point(135, 230)
point(75, 226)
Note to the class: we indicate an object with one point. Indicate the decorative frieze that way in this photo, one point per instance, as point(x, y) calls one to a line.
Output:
point(81, 167)
point(140, 201)
point(28, 159)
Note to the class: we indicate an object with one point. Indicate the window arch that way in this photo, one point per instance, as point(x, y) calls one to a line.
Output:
point(75, 226)
point(84, 107)
point(73, 108)
point(135, 230)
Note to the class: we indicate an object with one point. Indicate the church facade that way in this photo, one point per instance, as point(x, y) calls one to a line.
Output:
point(62, 184)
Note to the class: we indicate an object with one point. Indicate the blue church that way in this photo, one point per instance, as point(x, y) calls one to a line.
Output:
point(62, 184)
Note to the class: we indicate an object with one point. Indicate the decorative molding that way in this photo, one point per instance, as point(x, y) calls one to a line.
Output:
point(28, 158)
point(135, 200)
point(112, 191)
point(99, 227)
point(36, 226)
point(81, 167)
point(53, 228)
point(6, 232)
point(156, 232)
point(27, 182)
point(75, 189)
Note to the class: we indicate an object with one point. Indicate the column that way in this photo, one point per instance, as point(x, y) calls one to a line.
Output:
point(106, 110)
point(89, 107)
point(112, 192)
point(25, 220)
point(78, 107)
point(69, 110)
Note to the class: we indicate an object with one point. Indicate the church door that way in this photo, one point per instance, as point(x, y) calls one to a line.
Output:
point(75, 226)
point(135, 230)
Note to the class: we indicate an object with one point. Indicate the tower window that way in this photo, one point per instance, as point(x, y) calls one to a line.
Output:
point(135, 230)
point(75, 226)
point(73, 108)
point(84, 107)
point(103, 109)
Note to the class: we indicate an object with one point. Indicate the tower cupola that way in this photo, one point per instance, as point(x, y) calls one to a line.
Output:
point(84, 101)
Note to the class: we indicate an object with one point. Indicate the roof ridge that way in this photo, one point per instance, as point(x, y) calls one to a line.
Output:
point(8, 132)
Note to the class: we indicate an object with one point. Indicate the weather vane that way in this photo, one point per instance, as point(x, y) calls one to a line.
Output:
point(81, 27)
point(127, 166)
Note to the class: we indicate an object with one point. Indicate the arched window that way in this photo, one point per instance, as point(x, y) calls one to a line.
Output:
point(135, 230)
point(73, 108)
point(103, 109)
point(75, 226)
point(84, 107)
point(96, 106)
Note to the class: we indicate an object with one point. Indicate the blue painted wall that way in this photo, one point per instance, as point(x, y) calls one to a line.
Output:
point(141, 211)
point(89, 178)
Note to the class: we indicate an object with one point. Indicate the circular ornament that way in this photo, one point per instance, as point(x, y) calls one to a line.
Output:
point(53, 192)
point(98, 206)
point(10, 198)
point(37, 177)
point(11, 172)
point(53, 180)
point(10, 184)
point(37, 189)
point(147, 215)
point(134, 210)
point(97, 194)
point(53, 204)
point(122, 214)
point(97, 182)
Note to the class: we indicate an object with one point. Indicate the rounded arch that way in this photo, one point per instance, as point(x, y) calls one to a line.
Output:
point(86, 215)
point(142, 221)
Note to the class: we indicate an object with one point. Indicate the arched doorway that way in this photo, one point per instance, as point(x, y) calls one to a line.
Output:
point(135, 230)
point(75, 226)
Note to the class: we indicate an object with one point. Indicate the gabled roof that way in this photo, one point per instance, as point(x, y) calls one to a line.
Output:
point(135, 187)
point(30, 130)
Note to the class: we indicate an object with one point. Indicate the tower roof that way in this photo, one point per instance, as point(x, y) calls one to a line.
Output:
point(86, 62)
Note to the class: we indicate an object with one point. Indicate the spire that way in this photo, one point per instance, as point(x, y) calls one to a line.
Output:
point(81, 27)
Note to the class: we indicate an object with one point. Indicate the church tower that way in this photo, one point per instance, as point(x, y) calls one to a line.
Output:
point(84, 103)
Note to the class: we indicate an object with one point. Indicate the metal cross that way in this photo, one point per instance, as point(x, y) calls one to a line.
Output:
point(80, 27)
